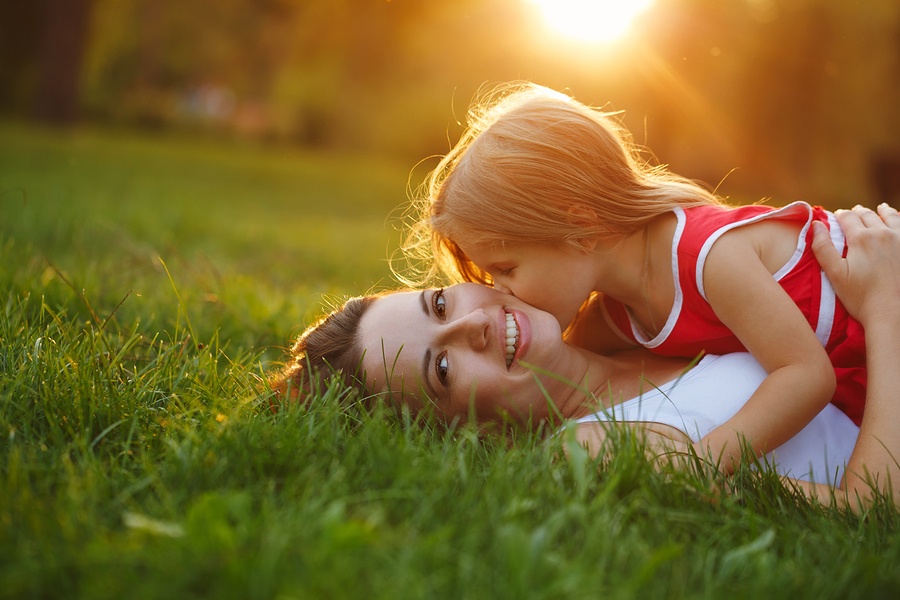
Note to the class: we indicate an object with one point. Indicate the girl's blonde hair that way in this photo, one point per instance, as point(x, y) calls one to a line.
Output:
point(529, 167)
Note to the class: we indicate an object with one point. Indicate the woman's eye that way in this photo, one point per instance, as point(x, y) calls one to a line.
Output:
point(507, 272)
point(439, 303)
point(442, 368)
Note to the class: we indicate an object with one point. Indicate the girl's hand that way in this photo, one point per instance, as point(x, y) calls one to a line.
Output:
point(868, 280)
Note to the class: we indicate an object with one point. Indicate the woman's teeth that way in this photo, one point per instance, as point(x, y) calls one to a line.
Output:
point(512, 336)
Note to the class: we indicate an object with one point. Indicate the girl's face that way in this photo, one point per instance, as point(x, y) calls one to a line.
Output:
point(556, 278)
point(451, 348)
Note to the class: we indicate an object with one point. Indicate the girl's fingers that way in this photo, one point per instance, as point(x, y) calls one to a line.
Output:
point(859, 218)
point(851, 221)
point(889, 215)
point(829, 258)
point(866, 215)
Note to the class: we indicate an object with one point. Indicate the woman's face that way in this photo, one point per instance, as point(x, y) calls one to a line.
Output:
point(451, 348)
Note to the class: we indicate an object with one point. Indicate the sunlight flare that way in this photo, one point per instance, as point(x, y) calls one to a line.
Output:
point(591, 20)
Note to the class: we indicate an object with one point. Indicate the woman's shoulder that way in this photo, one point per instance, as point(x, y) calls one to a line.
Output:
point(696, 401)
point(715, 376)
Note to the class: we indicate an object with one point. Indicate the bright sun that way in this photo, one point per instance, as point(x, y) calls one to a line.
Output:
point(591, 20)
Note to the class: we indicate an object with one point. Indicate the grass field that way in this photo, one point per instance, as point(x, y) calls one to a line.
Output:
point(148, 282)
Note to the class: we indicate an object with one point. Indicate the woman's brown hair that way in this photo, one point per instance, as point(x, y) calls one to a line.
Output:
point(328, 348)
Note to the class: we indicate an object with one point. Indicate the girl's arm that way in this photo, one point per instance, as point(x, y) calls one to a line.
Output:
point(801, 379)
point(663, 444)
point(868, 284)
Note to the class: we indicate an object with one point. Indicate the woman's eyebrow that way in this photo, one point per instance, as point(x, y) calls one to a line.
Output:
point(424, 304)
point(426, 369)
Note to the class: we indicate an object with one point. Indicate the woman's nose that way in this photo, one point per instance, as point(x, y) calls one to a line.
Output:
point(471, 329)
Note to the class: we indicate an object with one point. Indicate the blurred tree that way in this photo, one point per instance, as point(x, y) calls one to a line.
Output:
point(20, 24)
point(797, 95)
point(59, 58)
point(794, 94)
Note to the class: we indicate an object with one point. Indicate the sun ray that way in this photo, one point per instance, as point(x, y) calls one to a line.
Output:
point(591, 20)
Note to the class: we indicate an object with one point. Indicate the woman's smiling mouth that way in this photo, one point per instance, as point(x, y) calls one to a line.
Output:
point(512, 338)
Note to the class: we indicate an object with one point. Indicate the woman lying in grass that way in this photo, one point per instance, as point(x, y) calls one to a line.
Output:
point(470, 352)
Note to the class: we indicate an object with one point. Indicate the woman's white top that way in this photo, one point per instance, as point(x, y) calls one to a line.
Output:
point(714, 390)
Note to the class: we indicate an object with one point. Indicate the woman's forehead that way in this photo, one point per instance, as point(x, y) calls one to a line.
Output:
point(392, 335)
point(393, 312)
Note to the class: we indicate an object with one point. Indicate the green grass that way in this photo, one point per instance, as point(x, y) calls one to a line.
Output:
point(149, 282)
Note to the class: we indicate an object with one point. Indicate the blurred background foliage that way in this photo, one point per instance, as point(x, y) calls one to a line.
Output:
point(789, 99)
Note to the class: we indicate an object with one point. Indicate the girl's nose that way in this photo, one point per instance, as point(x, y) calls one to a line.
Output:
point(500, 287)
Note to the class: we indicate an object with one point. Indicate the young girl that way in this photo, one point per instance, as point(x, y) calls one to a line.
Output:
point(547, 199)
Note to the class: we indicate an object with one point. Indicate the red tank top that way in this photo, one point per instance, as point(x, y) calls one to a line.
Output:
point(692, 326)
